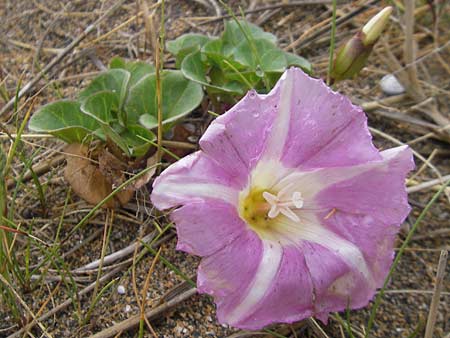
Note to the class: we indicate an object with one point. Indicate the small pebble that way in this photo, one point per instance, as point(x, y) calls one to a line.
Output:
point(192, 138)
point(121, 290)
point(127, 308)
point(390, 85)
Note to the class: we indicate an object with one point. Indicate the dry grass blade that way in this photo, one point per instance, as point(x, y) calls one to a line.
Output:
point(437, 294)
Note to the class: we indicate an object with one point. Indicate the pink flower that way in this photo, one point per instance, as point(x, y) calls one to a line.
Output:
point(290, 205)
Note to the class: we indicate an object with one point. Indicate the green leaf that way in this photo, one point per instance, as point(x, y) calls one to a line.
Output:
point(212, 54)
point(194, 69)
point(270, 57)
point(298, 61)
point(135, 137)
point(114, 80)
point(137, 69)
point(117, 62)
point(102, 106)
point(186, 44)
point(234, 34)
point(64, 120)
point(179, 96)
point(186, 41)
point(273, 61)
point(148, 120)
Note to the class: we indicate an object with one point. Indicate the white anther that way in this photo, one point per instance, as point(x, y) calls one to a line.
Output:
point(280, 205)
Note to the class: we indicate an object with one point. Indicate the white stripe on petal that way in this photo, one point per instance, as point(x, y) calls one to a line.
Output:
point(309, 229)
point(309, 183)
point(177, 187)
point(263, 280)
point(280, 129)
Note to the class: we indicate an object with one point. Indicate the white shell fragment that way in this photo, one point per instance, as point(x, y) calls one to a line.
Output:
point(121, 290)
point(390, 85)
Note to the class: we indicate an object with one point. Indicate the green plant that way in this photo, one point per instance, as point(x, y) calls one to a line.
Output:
point(242, 58)
point(119, 107)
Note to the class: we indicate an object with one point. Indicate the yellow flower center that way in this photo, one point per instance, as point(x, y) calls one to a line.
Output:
point(253, 208)
point(260, 208)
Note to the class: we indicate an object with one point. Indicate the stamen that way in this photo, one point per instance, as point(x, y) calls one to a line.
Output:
point(280, 205)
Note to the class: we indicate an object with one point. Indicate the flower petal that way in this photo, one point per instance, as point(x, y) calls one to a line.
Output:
point(205, 227)
point(309, 229)
point(237, 138)
point(373, 237)
point(289, 297)
point(317, 127)
point(337, 284)
point(227, 274)
point(370, 188)
point(377, 191)
point(193, 178)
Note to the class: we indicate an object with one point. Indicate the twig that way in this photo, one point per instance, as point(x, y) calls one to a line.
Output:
point(57, 59)
point(265, 8)
point(436, 295)
point(410, 51)
point(323, 30)
point(428, 184)
point(117, 255)
point(39, 169)
point(150, 314)
point(368, 106)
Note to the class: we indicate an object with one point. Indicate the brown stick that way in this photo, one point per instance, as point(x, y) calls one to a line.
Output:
point(39, 169)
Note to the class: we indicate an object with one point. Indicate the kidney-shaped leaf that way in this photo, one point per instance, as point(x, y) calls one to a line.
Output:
point(194, 69)
point(186, 44)
point(65, 120)
point(137, 137)
point(237, 31)
point(101, 106)
point(137, 69)
point(179, 96)
point(114, 80)
point(298, 61)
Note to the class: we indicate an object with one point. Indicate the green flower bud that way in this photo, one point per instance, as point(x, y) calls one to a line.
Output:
point(373, 29)
point(352, 56)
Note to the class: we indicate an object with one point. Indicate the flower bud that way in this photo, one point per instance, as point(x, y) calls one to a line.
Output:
point(372, 30)
point(352, 56)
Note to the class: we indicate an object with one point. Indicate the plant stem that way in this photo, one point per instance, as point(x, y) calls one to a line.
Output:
point(333, 34)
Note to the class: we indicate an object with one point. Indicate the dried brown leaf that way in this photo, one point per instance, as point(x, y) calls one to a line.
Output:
point(88, 181)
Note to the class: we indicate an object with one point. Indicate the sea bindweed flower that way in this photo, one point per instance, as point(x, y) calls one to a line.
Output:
point(290, 205)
